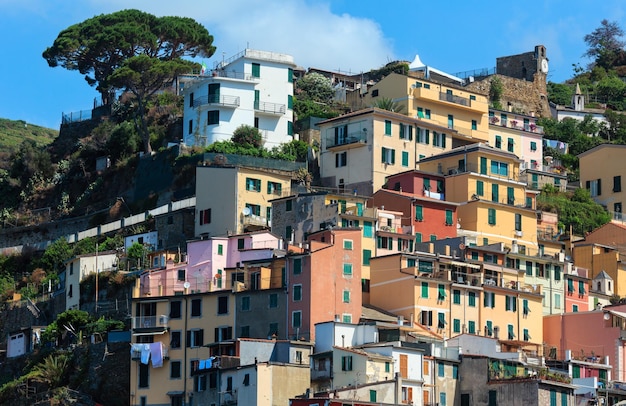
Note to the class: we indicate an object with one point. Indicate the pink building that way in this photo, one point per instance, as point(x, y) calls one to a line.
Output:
point(590, 336)
point(577, 290)
point(324, 281)
point(206, 261)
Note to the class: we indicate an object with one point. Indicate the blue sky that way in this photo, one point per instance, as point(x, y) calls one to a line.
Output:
point(346, 35)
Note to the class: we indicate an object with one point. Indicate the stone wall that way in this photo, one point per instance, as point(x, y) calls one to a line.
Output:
point(519, 96)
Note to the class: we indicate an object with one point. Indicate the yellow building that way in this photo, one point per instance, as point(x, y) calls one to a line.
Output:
point(446, 105)
point(495, 205)
point(601, 170)
point(359, 150)
point(451, 297)
point(235, 199)
point(169, 335)
point(598, 258)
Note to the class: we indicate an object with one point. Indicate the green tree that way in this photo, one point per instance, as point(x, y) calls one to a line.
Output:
point(52, 371)
point(611, 88)
point(247, 136)
point(98, 46)
point(143, 76)
point(136, 251)
point(316, 87)
point(560, 93)
point(55, 255)
point(385, 103)
point(495, 92)
point(574, 209)
point(605, 44)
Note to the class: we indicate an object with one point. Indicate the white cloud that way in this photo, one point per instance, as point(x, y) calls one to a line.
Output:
point(311, 33)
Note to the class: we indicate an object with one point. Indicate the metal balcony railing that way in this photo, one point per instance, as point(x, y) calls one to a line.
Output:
point(150, 321)
point(216, 99)
point(352, 138)
point(267, 107)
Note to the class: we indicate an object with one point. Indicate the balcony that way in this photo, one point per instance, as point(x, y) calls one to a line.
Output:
point(352, 140)
point(216, 100)
point(273, 109)
point(252, 220)
point(232, 74)
point(516, 125)
point(435, 95)
point(150, 322)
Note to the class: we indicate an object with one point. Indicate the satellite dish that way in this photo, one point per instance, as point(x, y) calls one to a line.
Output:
point(186, 285)
point(607, 316)
point(246, 211)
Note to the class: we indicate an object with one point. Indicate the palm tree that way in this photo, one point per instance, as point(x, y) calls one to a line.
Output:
point(52, 370)
point(386, 103)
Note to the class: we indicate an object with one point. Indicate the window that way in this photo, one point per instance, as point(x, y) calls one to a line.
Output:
point(425, 290)
point(489, 300)
point(442, 399)
point(581, 288)
point(367, 254)
point(480, 188)
point(288, 205)
point(557, 301)
point(220, 249)
point(175, 369)
point(346, 318)
point(471, 299)
point(222, 305)
point(405, 158)
point(144, 376)
point(388, 156)
point(347, 269)
point(245, 331)
point(256, 70)
point(241, 243)
point(511, 334)
point(274, 188)
point(474, 125)
point(423, 136)
point(499, 168)
point(510, 303)
point(491, 216)
point(297, 266)
point(341, 159)
point(289, 75)
point(498, 142)
point(346, 296)
point(450, 121)
point(296, 319)
point(456, 296)
point(387, 127)
point(205, 216)
point(427, 111)
point(297, 293)
point(196, 308)
point(509, 145)
point(525, 308)
point(518, 222)
point(253, 185)
point(489, 328)
point(495, 189)
point(347, 244)
point(419, 213)
point(483, 165)
point(440, 370)
point(213, 117)
point(449, 219)
point(273, 297)
point(441, 292)
point(181, 275)
point(175, 340)
point(273, 330)
point(346, 363)
point(175, 309)
point(471, 327)
point(190, 129)
point(245, 303)
point(195, 338)
point(595, 187)
point(439, 140)
point(441, 320)
point(617, 183)
point(456, 326)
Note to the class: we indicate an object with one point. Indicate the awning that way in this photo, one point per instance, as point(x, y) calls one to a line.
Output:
point(175, 393)
point(466, 264)
point(150, 333)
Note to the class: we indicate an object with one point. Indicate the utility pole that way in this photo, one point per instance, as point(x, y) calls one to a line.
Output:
point(97, 276)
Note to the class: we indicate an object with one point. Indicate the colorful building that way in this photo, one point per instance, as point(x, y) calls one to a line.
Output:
point(360, 149)
point(601, 170)
point(253, 87)
point(242, 203)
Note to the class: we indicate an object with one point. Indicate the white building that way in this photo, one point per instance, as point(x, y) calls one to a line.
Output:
point(77, 269)
point(253, 88)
